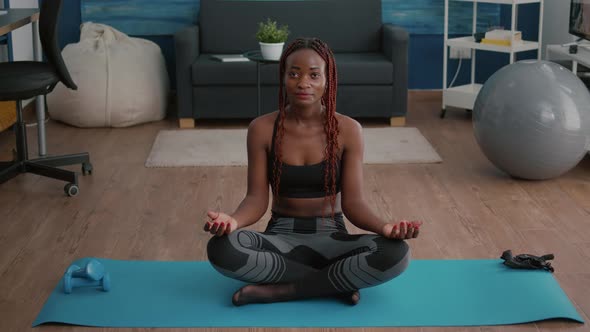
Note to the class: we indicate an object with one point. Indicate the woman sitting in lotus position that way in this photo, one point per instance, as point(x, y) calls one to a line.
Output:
point(312, 157)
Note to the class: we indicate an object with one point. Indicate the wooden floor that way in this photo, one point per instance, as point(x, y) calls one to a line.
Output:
point(127, 211)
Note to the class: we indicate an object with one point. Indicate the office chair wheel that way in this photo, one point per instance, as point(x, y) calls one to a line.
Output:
point(71, 189)
point(86, 168)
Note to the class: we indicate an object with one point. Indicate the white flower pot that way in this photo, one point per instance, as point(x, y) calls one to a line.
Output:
point(271, 51)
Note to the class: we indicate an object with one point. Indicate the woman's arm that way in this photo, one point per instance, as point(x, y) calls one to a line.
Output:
point(255, 204)
point(354, 206)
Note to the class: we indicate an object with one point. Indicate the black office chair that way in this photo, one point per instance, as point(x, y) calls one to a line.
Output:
point(22, 80)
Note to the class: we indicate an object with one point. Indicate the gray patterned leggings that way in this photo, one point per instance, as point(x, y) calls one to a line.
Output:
point(316, 253)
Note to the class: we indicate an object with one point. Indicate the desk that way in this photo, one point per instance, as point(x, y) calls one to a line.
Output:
point(559, 52)
point(12, 20)
point(256, 56)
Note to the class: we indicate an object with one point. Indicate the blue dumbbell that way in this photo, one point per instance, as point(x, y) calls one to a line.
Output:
point(92, 275)
point(93, 270)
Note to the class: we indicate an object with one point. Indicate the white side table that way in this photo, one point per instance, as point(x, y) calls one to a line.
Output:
point(559, 52)
point(464, 96)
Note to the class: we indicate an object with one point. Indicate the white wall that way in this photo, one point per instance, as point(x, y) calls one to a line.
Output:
point(22, 38)
point(555, 23)
point(3, 48)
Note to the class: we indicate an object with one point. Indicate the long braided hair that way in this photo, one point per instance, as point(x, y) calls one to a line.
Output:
point(330, 123)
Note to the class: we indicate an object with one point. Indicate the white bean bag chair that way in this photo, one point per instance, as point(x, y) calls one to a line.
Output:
point(122, 81)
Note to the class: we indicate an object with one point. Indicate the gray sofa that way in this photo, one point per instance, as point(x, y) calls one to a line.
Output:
point(371, 58)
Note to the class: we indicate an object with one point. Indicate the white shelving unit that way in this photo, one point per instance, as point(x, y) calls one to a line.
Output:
point(464, 96)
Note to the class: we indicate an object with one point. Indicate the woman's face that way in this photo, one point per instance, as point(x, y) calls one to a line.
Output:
point(305, 78)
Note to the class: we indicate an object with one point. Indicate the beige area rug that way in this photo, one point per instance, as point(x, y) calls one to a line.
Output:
point(227, 147)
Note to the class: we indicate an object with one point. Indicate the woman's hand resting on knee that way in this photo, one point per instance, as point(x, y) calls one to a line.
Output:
point(402, 230)
point(220, 223)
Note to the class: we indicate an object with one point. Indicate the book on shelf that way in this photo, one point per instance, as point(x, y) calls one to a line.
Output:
point(501, 42)
point(503, 34)
point(502, 37)
point(229, 57)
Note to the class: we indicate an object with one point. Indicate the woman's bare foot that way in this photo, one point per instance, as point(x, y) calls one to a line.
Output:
point(264, 294)
point(355, 297)
point(351, 298)
point(279, 293)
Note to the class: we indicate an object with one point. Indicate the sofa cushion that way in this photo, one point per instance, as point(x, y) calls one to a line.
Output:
point(353, 68)
point(206, 71)
point(364, 68)
point(229, 26)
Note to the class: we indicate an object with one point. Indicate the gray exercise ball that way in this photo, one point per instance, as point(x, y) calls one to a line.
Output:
point(531, 119)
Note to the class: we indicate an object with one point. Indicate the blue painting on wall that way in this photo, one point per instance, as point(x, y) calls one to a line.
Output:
point(427, 16)
point(164, 17)
point(142, 17)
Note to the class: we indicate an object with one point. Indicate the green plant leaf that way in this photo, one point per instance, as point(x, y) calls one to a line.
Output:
point(269, 32)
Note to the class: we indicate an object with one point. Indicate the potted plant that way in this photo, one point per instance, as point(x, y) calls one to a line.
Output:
point(271, 39)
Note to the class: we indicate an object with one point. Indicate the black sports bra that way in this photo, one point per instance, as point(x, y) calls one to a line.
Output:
point(300, 181)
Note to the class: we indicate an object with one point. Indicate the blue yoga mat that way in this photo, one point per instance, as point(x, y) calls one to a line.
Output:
point(428, 293)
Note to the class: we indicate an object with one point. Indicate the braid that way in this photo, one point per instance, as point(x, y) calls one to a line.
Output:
point(330, 124)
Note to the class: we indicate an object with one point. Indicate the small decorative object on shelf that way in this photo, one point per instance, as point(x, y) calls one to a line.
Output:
point(272, 39)
point(478, 36)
